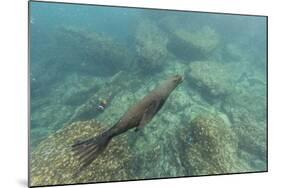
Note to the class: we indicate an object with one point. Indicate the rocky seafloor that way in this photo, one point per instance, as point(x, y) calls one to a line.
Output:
point(213, 123)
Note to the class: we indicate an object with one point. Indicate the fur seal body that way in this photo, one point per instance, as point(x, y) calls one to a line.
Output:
point(137, 117)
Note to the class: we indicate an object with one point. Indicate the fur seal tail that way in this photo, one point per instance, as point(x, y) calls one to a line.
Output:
point(88, 150)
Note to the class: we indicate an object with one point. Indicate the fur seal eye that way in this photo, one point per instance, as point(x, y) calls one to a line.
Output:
point(177, 79)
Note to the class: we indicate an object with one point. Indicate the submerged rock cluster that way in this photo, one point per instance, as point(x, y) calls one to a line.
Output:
point(206, 145)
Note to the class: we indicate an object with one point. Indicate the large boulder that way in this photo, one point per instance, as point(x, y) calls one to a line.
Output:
point(251, 132)
point(211, 147)
point(193, 45)
point(252, 136)
point(212, 79)
point(151, 46)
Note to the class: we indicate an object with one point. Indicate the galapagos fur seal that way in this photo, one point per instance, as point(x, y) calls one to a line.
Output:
point(136, 116)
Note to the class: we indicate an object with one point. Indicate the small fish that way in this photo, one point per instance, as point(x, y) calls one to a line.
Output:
point(100, 108)
point(102, 105)
point(136, 117)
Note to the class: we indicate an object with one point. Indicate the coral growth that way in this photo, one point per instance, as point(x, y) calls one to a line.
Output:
point(53, 161)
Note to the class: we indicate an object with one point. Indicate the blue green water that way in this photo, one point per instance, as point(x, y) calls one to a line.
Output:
point(214, 122)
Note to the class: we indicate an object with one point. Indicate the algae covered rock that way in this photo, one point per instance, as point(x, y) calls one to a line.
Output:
point(151, 45)
point(212, 79)
point(211, 147)
point(53, 162)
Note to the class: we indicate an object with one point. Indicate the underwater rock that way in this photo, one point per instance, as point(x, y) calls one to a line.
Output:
point(44, 74)
point(51, 112)
point(249, 101)
point(79, 97)
point(53, 161)
point(214, 80)
point(210, 147)
point(250, 130)
point(252, 137)
point(87, 110)
point(47, 119)
point(107, 91)
point(151, 45)
point(38, 134)
point(246, 109)
point(193, 46)
point(249, 97)
point(157, 146)
point(101, 55)
point(78, 88)
point(232, 53)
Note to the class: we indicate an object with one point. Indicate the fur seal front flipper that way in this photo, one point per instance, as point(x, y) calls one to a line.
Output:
point(150, 112)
